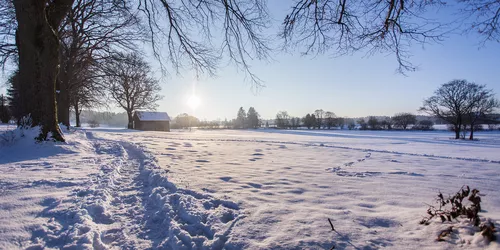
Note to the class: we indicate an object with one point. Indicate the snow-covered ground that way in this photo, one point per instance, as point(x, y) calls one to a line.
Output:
point(7, 127)
point(266, 189)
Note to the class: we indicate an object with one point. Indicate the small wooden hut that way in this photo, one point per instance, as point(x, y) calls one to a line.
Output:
point(151, 121)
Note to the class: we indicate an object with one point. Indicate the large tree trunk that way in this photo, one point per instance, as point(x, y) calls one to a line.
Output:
point(130, 120)
point(77, 114)
point(457, 131)
point(38, 46)
point(471, 137)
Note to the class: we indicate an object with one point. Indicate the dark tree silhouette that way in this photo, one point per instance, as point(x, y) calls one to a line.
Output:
point(91, 31)
point(29, 34)
point(309, 121)
point(130, 84)
point(351, 124)
point(424, 125)
point(362, 124)
point(482, 16)
point(253, 118)
point(241, 119)
point(459, 101)
point(481, 103)
point(402, 120)
point(330, 119)
point(4, 110)
point(282, 120)
point(373, 123)
point(319, 113)
point(294, 122)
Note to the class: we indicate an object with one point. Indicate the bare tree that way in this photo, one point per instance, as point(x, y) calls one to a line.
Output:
point(187, 27)
point(330, 119)
point(37, 42)
point(89, 34)
point(319, 117)
point(458, 100)
point(402, 120)
point(8, 26)
point(88, 90)
point(294, 122)
point(373, 123)
point(130, 83)
point(481, 102)
point(282, 120)
point(362, 124)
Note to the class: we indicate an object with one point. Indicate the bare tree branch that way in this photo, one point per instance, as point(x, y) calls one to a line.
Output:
point(345, 27)
point(482, 16)
point(187, 28)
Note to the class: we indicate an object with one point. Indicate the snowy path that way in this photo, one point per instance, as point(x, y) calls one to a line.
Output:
point(128, 203)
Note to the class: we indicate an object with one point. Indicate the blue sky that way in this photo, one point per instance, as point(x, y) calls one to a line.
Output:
point(348, 86)
point(351, 86)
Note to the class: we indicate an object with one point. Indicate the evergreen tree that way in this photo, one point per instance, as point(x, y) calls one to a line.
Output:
point(13, 95)
point(253, 118)
point(240, 118)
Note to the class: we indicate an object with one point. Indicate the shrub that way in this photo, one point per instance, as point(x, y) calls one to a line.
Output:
point(464, 204)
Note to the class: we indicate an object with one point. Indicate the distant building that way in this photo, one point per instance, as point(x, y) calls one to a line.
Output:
point(151, 121)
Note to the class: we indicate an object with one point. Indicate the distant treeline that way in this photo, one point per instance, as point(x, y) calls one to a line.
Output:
point(318, 119)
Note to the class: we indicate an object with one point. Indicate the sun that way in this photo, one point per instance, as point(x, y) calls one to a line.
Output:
point(194, 102)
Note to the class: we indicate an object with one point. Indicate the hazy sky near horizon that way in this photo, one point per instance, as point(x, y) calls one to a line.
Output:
point(351, 86)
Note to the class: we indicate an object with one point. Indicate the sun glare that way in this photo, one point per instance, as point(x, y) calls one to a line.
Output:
point(193, 102)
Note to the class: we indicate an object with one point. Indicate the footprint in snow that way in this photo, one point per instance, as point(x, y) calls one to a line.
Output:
point(202, 161)
point(255, 185)
point(226, 178)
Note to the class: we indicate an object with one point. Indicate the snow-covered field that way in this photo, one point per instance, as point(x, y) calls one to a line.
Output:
point(266, 189)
